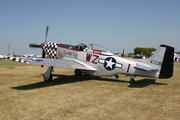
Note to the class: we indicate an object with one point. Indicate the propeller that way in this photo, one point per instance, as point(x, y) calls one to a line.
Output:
point(41, 45)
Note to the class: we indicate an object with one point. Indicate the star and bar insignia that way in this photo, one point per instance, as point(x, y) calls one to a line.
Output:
point(110, 63)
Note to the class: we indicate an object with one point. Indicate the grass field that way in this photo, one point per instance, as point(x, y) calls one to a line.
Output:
point(25, 96)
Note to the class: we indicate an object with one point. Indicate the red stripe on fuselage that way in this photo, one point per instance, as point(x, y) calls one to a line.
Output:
point(128, 68)
point(97, 52)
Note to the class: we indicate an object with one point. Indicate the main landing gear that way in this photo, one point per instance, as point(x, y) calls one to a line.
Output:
point(77, 72)
point(48, 75)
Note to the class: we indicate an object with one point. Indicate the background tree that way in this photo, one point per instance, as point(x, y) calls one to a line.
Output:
point(144, 51)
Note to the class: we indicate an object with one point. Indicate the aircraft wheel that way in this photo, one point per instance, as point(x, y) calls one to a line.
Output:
point(132, 81)
point(46, 79)
point(77, 72)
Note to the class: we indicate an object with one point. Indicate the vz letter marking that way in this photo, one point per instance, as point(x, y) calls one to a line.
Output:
point(95, 59)
point(88, 58)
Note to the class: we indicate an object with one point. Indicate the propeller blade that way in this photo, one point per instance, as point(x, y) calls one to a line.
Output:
point(43, 56)
point(34, 45)
point(43, 53)
point(122, 54)
point(47, 27)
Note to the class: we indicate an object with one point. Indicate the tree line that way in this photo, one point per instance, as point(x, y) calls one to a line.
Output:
point(144, 51)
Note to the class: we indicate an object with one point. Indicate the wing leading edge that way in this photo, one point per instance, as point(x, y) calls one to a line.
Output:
point(65, 62)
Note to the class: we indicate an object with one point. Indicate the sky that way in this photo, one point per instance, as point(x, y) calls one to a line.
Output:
point(114, 24)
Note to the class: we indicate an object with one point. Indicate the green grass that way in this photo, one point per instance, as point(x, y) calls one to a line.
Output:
point(25, 96)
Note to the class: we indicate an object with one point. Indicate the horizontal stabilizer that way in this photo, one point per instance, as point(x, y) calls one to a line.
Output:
point(146, 69)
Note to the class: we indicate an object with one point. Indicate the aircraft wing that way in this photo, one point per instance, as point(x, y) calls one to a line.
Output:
point(65, 62)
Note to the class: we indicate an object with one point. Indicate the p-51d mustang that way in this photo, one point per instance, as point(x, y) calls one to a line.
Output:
point(96, 60)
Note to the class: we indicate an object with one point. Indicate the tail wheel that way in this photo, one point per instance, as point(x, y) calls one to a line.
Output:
point(132, 81)
point(77, 72)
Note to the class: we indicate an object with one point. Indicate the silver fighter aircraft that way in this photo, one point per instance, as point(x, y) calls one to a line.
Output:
point(96, 60)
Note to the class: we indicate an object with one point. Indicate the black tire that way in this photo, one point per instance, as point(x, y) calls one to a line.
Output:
point(77, 72)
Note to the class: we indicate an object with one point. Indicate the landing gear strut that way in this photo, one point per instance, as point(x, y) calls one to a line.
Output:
point(48, 75)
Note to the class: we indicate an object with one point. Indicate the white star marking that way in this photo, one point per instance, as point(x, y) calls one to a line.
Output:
point(110, 63)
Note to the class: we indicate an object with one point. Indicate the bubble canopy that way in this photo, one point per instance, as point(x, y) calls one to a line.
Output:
point(97, 47)
point(94, 48)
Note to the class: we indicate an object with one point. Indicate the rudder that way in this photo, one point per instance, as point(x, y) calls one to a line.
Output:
point(168, 62)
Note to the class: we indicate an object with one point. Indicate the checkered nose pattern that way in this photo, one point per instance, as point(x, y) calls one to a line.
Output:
point(50, 49)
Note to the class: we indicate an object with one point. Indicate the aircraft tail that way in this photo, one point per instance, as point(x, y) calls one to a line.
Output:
point(163, 59)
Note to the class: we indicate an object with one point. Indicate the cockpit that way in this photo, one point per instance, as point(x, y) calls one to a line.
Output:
point(81, 47)
point(94, 48)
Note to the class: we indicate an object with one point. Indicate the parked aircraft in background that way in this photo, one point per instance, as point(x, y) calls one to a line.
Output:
point(176, 57)
point(96, 60)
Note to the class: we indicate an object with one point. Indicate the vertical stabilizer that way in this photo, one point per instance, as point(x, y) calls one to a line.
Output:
point(162, 59)
point(168, 62)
